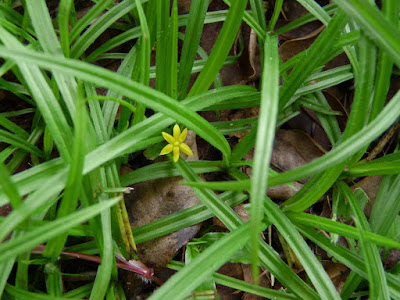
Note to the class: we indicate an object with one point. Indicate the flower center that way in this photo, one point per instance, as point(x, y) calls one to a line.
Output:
point(176, 144)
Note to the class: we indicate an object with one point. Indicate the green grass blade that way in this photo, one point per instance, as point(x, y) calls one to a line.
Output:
point(35, 237)
point(64, 9)
point(264, 144)
point(340, 228)
point(73, 186)
point(19, 142)
point(173, 52)
point(88, 18)
point(386, 206)
point(385, 63)
point(98, 27)
point(348, 258)
point(191, 42)
point(313, 59)
point(186, 280)
point(142, 62)
point(166, 169)
point(383, 33)
point(315, 9)
point(19, 293)
point(221, 48)
point(9, 187)
point(240, 284)
point(107, 256)
point(376, 275)
point(312, 266)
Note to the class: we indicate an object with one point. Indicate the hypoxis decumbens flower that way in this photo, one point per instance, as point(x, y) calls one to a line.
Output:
point(175, 143)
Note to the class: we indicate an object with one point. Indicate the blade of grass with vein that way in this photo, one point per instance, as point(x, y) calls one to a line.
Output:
point(248, 18)
point(109, 179)
point(376, 274)
point(39, 235)
point(110, 109)
point(313, 59)
point(329, 123)
point(162, 45)
point(315, 9)
point(386, 206)
point(48, 40)
point(20, 293)
point(186, 280)
point(107, 256)
point(142, 62)
point(173, 52)
point(309, 261)
point(383, 33)
point(97, 28)
point(340, 228)
point(194, 28)
point(64, 9)
point(12, 127)
point(221, 48)
point(386, 165)
point(391, 9)
point(330, 9)
point(275, 15)
point(258, 13)
point(264, 142)
point(88, 18)
point(73, 186)
point(9, 187)
point(32, 203)
point(166, 169)
point(240, 284)
point(28, 181)
point(348, 258)
point(19, 142)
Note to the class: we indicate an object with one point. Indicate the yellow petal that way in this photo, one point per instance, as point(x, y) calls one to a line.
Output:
point(169, 138)
point(167, 149)
point(176, 153)
point(185, 149)
point(177, 132)
point(182, 137)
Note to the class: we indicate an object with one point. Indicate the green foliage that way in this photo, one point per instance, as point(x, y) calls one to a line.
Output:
point(76, 150)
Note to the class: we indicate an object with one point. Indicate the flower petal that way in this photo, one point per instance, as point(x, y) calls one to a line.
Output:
point(176, 153)
point(167, 149)
point(177, 132)
point(185, 149)
point(169, 138)
point(182, 137)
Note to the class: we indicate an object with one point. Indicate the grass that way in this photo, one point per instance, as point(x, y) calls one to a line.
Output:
point(75, 146)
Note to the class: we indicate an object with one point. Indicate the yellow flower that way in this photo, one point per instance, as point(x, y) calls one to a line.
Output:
point(176, 143)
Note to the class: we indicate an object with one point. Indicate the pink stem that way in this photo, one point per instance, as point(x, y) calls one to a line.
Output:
point(131, 265)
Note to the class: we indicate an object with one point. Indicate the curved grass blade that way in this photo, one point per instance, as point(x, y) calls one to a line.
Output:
point(264, 142)
point(186, 280)
point(41, 234)
point(383, 33)
point(221, 48)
